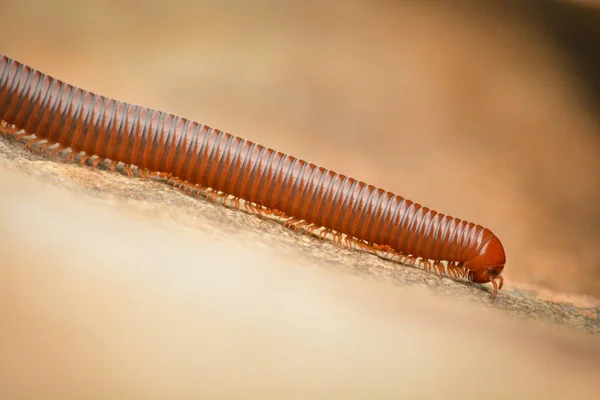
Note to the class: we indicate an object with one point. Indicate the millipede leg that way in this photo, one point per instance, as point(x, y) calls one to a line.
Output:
point(427, 265)
point(399, 257)
point(439, 268)
point(7, 130)
point(97, 161)
point(178, 183)
point(337, 238)
point(364, 246)
point(155, 174)
point(55, 152)
point(347, 242)
point(495, 293)
point(211, 196)
point(41, 149)
point(128, 170)
point(31, 142)
point(280, 214)
point(420, 262)
point(291, 222)
point(323, 234)
point(344, 241)
point(271, 212)
point(251, 208)
point(384, 248)
point(72, 156)
point(311, 229)
point(390, 253)
point(452, 270)
point(360, 244)
point(277, 213)
point(231, 200)
point(21, 135)
point(191, 188)
point(83, 159)
point(299, 225)
point(198, 189)
point(113, 165)
point(144, 173)
point(255, 209)
point(161, 175)
point(222, 196)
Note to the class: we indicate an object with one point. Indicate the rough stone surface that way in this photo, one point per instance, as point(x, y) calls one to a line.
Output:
point(151, 199)
point(117, 287)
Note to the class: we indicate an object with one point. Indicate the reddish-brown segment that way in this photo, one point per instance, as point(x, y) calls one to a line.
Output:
point(195, 157)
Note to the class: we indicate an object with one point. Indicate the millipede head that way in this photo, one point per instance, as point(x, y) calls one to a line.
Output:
point(488, 262)
point(485, 275)
point(487, 265)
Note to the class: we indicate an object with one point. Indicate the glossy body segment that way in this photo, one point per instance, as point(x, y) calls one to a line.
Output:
point(201, 155)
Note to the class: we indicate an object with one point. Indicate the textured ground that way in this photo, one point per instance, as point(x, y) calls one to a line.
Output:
point(101, 271)
point(582, 312)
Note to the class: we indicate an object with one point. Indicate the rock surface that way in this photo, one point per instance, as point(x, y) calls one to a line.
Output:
point(159, 199)
point(132, 274)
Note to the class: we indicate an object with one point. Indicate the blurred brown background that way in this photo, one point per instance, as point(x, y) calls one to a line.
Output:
point(478, 110)
point(481, 111)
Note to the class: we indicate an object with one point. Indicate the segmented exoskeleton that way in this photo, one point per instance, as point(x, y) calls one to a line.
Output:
point(195, 157)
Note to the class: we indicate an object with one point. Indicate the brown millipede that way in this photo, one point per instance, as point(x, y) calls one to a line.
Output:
point(197, 158)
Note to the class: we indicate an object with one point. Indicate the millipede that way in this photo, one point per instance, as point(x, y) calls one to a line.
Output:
point(51, 117)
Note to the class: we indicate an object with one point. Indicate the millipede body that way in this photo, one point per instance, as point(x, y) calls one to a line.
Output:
point(194, 156)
